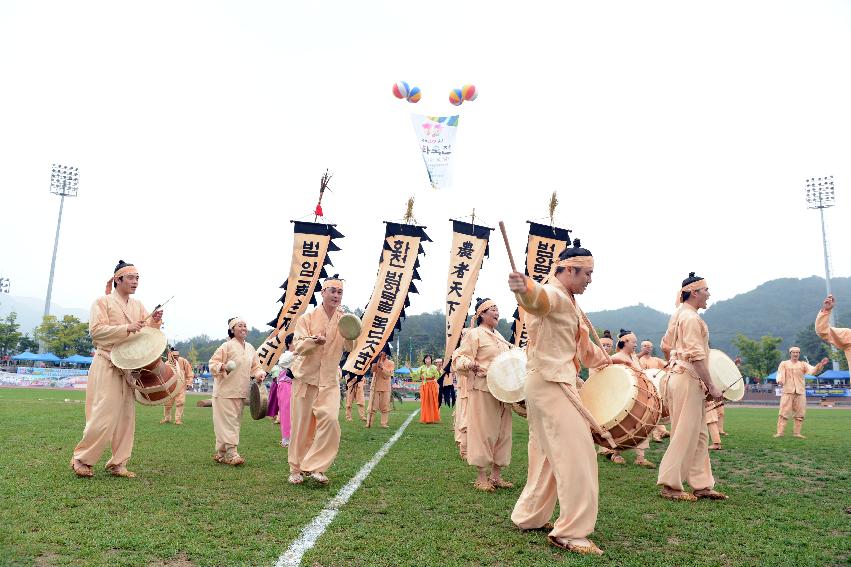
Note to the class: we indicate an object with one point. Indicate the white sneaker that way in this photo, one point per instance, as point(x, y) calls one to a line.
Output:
point(285, 442)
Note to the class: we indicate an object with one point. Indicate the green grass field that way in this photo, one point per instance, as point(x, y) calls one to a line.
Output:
point(787, 498)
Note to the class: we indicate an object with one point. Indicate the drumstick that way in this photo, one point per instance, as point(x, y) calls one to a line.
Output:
point(160, 306)
point(507, 246)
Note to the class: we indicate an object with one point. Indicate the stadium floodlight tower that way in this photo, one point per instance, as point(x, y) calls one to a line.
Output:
point(64, 181)
point(821, 196)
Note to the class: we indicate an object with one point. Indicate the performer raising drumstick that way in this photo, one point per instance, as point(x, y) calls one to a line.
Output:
point(687, 457)
point(562, 461)
point(489, 420)
point(837, 336)
point(233, 365)
point(110, 402)
point(316, 387)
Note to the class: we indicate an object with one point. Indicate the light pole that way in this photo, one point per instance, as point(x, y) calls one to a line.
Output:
point(63, 182)
point(821, 196)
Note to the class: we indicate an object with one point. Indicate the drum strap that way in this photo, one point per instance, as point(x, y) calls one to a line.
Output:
point(577, 403)
point(591, 329)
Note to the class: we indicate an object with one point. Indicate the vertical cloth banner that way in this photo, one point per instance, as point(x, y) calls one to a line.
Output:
point(436, 138)
point(469, 248)
point(311, 244)
point(542, 249)
point(397, 270)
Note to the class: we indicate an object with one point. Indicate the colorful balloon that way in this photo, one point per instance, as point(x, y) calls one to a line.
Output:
point(415, 95)
point(455, 97)
point(469, 92)
point(401, 89)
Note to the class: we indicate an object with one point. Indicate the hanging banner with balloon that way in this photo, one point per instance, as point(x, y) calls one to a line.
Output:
point(436, 137)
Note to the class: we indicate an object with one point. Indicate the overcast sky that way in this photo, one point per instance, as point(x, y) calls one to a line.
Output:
point(677, 134)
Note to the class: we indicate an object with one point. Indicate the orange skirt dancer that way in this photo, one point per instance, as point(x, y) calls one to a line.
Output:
point(429, 412)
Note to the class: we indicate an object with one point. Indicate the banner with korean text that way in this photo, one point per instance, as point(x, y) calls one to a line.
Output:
point(311, 244)
point(542, 249)
point(397, 271)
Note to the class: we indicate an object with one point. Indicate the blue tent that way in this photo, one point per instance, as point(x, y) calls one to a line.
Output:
point(834, 375)
point(46, 357)
point(403, 370)
point(27, 355)
point(77, 359)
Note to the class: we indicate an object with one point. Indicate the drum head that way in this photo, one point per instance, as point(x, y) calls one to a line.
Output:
point(609, 395)
point(139, 350)
point(507, 376)
point(655, 376)
point(349, 326)
point(258, 399)
point(726, 376)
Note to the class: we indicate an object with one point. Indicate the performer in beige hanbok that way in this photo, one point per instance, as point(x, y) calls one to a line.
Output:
point(354, 395)
point(233, 365)
point(462, 406)
point(650, 362)
point(380, 390)
point(627, 341)
point(793, 401)
point(687, 456)
point(562, 461)
point(489, 420)
point(319, 346)
point(183, 369)
point(110, 402)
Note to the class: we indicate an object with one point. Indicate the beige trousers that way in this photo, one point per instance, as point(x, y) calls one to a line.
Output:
point(687, 456)
point(179, 401)
point(562, 464)
point(315, 437)
point(793, 405)
point(355, 394)
point(382, 403)
point(488, 430)
point(227, 418)
point(461, 425)
point(110, 416)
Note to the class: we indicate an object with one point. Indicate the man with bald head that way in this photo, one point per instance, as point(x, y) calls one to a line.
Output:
point(650, 362)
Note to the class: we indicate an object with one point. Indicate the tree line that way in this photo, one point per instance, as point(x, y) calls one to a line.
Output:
point(420, 335)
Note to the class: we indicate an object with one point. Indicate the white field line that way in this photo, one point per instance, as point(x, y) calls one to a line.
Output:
point(314, 530)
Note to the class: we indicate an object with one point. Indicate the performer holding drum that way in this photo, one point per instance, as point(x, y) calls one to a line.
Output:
point(562, 461)
point(233, 365)
point(627, 341)
point(687, 457)
point(319, 345)
point(110, 399)
point(183, 369)
point(489, 420)
point(655, 365)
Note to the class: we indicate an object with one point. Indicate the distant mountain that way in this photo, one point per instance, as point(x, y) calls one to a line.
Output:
point(781, 308)
point(645, 322)
point(30, 311)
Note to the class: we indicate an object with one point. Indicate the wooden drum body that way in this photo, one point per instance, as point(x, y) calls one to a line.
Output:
point(624, 403)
